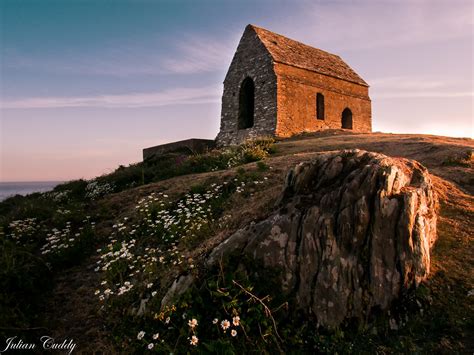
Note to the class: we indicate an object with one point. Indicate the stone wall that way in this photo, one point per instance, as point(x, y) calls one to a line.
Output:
point(193, 145)
point(296, 102)
point(250, 60)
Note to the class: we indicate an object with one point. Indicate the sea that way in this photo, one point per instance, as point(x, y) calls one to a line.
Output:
point(8, 189)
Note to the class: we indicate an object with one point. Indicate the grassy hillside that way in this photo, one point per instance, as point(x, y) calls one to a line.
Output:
point(92, 259)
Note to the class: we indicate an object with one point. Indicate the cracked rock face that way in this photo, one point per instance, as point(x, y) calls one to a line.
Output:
point(353, 231)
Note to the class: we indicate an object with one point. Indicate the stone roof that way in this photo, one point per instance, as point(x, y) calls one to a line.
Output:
point(297, 54)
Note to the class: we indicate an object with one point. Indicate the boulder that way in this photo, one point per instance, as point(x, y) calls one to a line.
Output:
point(352, 232)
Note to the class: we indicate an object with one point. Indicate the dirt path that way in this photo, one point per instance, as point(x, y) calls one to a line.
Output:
point(71, 312)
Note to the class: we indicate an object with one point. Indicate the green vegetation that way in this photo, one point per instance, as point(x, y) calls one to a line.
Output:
point(44, 233)
point(182, 163)
point(32, 250)
point(135, 267)
point(135, 257)
point(463, 160)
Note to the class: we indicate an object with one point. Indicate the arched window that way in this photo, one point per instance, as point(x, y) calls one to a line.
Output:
point(320, 106)
point(347, 118)
point(246, 103)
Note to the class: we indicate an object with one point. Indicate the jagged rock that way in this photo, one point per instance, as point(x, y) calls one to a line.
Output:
point(177, 289)
point(353, 231)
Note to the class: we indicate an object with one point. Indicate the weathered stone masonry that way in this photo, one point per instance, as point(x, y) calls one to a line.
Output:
point(287, 77)
point(250, 60)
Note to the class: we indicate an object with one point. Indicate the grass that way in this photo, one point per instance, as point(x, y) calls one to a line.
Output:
point(136, 254)
point(174, 164)
point(33, 249)
point(44, 233)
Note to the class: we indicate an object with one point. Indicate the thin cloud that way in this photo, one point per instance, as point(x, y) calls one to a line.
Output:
point(409, 87)
point(178, 96)
point(426, 94)
point(406, 83)
point(197, 55)
point(342, 26)
point(189, 54)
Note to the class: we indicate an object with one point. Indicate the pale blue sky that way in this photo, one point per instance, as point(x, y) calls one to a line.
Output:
point(85, 85)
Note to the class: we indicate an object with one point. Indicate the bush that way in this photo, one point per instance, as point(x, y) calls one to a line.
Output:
point(178, 163)
point(22, 281)
point(463, 160)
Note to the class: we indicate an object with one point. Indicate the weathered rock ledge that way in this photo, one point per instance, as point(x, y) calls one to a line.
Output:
point(352, 232)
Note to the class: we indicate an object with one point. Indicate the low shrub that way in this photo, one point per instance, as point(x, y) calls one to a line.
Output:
point(22, 281)
point(179, 163)
point(463, 160)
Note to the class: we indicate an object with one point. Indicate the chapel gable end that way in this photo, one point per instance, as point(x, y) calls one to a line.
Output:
point(249, 92)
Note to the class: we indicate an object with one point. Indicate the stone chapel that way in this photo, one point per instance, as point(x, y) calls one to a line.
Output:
point(276, 86)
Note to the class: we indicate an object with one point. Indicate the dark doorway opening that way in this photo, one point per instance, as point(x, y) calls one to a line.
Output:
point(347, 119)
point(320, 106)
point(246, 103)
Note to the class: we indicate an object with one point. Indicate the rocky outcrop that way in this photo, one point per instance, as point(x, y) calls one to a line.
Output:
point(353, 232)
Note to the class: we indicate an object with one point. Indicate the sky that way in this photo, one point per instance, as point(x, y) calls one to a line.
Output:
point(86, 85)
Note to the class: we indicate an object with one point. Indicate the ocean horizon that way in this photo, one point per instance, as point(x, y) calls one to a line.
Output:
point(12, 188)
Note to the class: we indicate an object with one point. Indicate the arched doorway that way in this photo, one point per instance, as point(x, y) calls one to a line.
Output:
point(347, 118)
point(246, 103)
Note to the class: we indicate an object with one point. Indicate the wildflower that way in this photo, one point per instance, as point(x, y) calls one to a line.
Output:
point(156, 336)
point(225, 324)
point(96, 292)
point(140, 335)
point(194, 340)
point(153, 294)
point(150, 285)
point(193, 323)
point(215, 321)
point(233, 332)
point(150, 346)
point(236, 321)
point(167, 320)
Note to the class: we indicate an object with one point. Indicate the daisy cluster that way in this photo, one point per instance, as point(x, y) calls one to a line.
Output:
point(58, 196)
point(251, 150)
point(23, 229)
point(63, 211)
point(192, 324)
point(242, 184)
point(233, 157)
point(225, 325)
point(95, 189)
point(141, 336)
point(64, 238)
point(155, 240)
point(161, 227)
